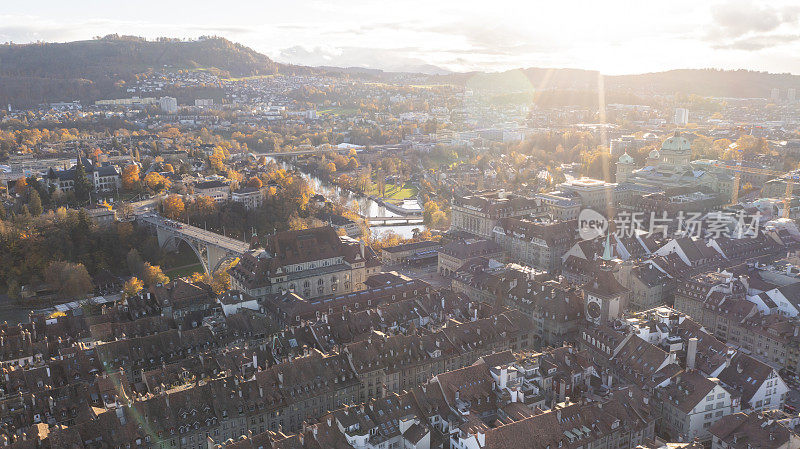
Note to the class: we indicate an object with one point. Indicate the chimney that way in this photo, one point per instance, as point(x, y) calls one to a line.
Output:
point(361, 248)
point(691, 353)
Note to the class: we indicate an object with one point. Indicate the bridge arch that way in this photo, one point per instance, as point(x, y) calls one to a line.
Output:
point(177, 238)
point(223, 261)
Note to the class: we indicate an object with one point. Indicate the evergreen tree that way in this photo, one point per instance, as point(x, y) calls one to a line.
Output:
point(83, 187)
point(35, 203)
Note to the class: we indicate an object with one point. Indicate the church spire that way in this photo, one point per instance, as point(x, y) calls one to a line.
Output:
point(607, 248)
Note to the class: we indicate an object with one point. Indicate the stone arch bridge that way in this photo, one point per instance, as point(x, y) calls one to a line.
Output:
point(212, 249)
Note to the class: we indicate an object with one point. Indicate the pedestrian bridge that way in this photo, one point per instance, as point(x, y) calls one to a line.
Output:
point(212, 249)
point(405, 219)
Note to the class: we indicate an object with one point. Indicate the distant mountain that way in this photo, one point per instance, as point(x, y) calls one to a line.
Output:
point(86, 70)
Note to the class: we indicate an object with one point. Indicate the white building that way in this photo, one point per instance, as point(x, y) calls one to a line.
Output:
point(681, 116)
point(758, 384)
point(250, 197)
point(168, 104)
point(234, 301)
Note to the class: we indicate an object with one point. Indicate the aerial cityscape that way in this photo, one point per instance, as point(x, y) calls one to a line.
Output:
point(366, 226)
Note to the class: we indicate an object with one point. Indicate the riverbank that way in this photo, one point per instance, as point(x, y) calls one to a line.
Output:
point(367, 206)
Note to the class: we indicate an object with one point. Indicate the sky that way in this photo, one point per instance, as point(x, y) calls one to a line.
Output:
point(612, 36)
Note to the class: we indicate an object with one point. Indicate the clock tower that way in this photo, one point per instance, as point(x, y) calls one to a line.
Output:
point(604, 297)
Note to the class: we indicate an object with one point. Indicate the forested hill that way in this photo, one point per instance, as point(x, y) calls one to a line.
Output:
point(87, 70)
point(708, 82)
point(704, 82)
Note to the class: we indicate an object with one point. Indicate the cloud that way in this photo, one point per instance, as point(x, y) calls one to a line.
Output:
point(739, 17)
point(748, 26)
point(755, 43)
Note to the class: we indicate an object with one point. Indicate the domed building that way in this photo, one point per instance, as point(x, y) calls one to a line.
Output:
point(676, 151)
point(667, 168)
point(653, 158)
point(625, 166)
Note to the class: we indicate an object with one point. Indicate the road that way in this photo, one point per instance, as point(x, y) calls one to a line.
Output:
point(196, 233)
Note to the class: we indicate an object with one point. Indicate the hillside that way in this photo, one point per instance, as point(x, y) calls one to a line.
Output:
point(704, 82)
point(31, 74)
point(707, 82)
point(87, 70)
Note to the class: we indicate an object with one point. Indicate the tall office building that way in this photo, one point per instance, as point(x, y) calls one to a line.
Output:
point(681, 116)
point(168, 104)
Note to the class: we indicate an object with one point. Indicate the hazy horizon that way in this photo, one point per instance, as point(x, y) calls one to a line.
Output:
point(614, 37)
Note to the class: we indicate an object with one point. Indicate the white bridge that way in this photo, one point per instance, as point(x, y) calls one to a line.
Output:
point(212, 249)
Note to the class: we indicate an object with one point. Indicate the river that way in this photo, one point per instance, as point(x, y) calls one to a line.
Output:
point(367, 207)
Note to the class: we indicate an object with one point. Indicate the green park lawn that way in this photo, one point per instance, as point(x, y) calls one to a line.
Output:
point(395, 193)
point(183, 271)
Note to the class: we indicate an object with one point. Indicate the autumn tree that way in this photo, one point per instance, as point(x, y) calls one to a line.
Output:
point(217, 160)
point(432, 216)
point(130, 177)
point(204, 205)
point(152, 275)
point(255, 183)
point(21, 186)
point(173, 207)
point(132, 287)
point(156, 183)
